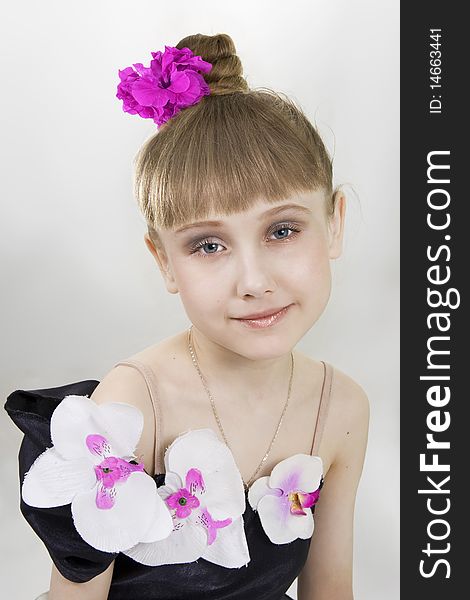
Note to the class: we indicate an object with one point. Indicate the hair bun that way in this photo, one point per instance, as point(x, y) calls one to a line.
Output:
point(226, 75)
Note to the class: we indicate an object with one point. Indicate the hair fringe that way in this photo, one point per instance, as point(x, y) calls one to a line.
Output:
point(232, 149)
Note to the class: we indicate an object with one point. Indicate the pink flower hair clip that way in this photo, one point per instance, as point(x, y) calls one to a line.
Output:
point(173, 81)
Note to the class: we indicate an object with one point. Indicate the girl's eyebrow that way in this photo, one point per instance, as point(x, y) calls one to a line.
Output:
point(268, 213)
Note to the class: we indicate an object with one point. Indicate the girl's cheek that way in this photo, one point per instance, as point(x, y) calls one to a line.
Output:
point(314, 263)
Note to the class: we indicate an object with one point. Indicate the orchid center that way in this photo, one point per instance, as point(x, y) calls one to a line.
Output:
point(114, 470)
point(295, 501)
point(111, 471)
point(299, 500)
point(183, 502)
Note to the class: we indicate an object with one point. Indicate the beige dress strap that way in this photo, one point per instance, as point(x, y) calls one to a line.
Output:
point(151, 381)
point(322, 407)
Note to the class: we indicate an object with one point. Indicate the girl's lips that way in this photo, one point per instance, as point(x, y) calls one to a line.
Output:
point(263, 322)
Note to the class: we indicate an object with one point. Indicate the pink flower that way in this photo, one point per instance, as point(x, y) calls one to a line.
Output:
point(212, 525)
point(114, 503)
point(280, 499)
point(183, 500)
point(298, 501)
point(203, 490)
point(173, 81)
point(110, 472)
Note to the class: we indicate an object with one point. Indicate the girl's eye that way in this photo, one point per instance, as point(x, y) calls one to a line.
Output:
point(207, 245)
point(285, 227)
point(210, 246)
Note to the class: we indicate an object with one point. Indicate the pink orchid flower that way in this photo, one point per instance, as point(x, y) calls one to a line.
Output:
point(91, 465)
point(204, 491)
point(283, 498)
point(183, 501)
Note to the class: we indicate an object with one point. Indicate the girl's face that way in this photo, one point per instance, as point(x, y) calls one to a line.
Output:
point(255, 262)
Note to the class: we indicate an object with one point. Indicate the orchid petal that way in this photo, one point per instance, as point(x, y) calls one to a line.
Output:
point(211, 525)
point(259, 489)
point(185, 544)
point(201, 449)
point(53, 481)
point(279, 524)
point(72, 421)
point(98, 445)
point(172, 484)
point(77, 417)
point(161, 523)
point(309, 499)
point(194, 481)
point(122, 526)
point(300, 472)
point(164, 491)
point(194, 448)
point(229, 548)
point(173, 480)
point(224, 495)
point(105, 496)
point(125, 424)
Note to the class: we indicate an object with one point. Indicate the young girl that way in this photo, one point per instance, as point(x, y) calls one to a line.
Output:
point(245, 437)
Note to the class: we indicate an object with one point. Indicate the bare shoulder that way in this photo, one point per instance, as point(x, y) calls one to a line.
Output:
point(348, 419)
point(126, 384)
point(121, 384)
point(348, 397)
point(327, 572)
point(347, 422)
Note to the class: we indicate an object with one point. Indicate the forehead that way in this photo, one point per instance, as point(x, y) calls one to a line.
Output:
point(306, 204)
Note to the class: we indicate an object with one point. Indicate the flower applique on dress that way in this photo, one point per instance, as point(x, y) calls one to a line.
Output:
point(204, 492)
point(91, 465)
point(283, 499)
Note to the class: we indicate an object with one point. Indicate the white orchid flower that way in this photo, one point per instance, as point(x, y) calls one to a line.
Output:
point(282, 497)
point(91, 465)
point(204, 491)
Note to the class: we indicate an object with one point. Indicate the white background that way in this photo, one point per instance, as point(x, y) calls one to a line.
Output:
point(80, 290)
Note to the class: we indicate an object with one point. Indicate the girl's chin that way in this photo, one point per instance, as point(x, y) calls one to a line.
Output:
point(262, 347)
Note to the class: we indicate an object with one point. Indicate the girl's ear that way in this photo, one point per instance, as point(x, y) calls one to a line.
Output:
point(161, 258)
point(336, 225)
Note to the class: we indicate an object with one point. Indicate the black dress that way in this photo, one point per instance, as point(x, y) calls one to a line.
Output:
point(267, 576)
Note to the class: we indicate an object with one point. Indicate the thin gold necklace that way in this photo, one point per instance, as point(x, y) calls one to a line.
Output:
point(217, 418)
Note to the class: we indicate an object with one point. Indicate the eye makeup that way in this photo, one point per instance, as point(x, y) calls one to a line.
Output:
point(195, 245)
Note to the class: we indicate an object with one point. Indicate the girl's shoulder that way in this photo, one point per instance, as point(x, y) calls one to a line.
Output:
point(347, 417)
point(345, 395)
point(348, 397)
point(346, 422)
point(347, 425)
point(123, 383)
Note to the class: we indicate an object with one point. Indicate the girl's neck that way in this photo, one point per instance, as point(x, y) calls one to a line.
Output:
point(229, 373)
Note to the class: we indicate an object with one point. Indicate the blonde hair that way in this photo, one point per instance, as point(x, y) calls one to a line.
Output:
point(234, 147)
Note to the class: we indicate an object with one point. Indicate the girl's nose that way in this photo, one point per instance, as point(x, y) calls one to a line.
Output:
point(254, 275)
